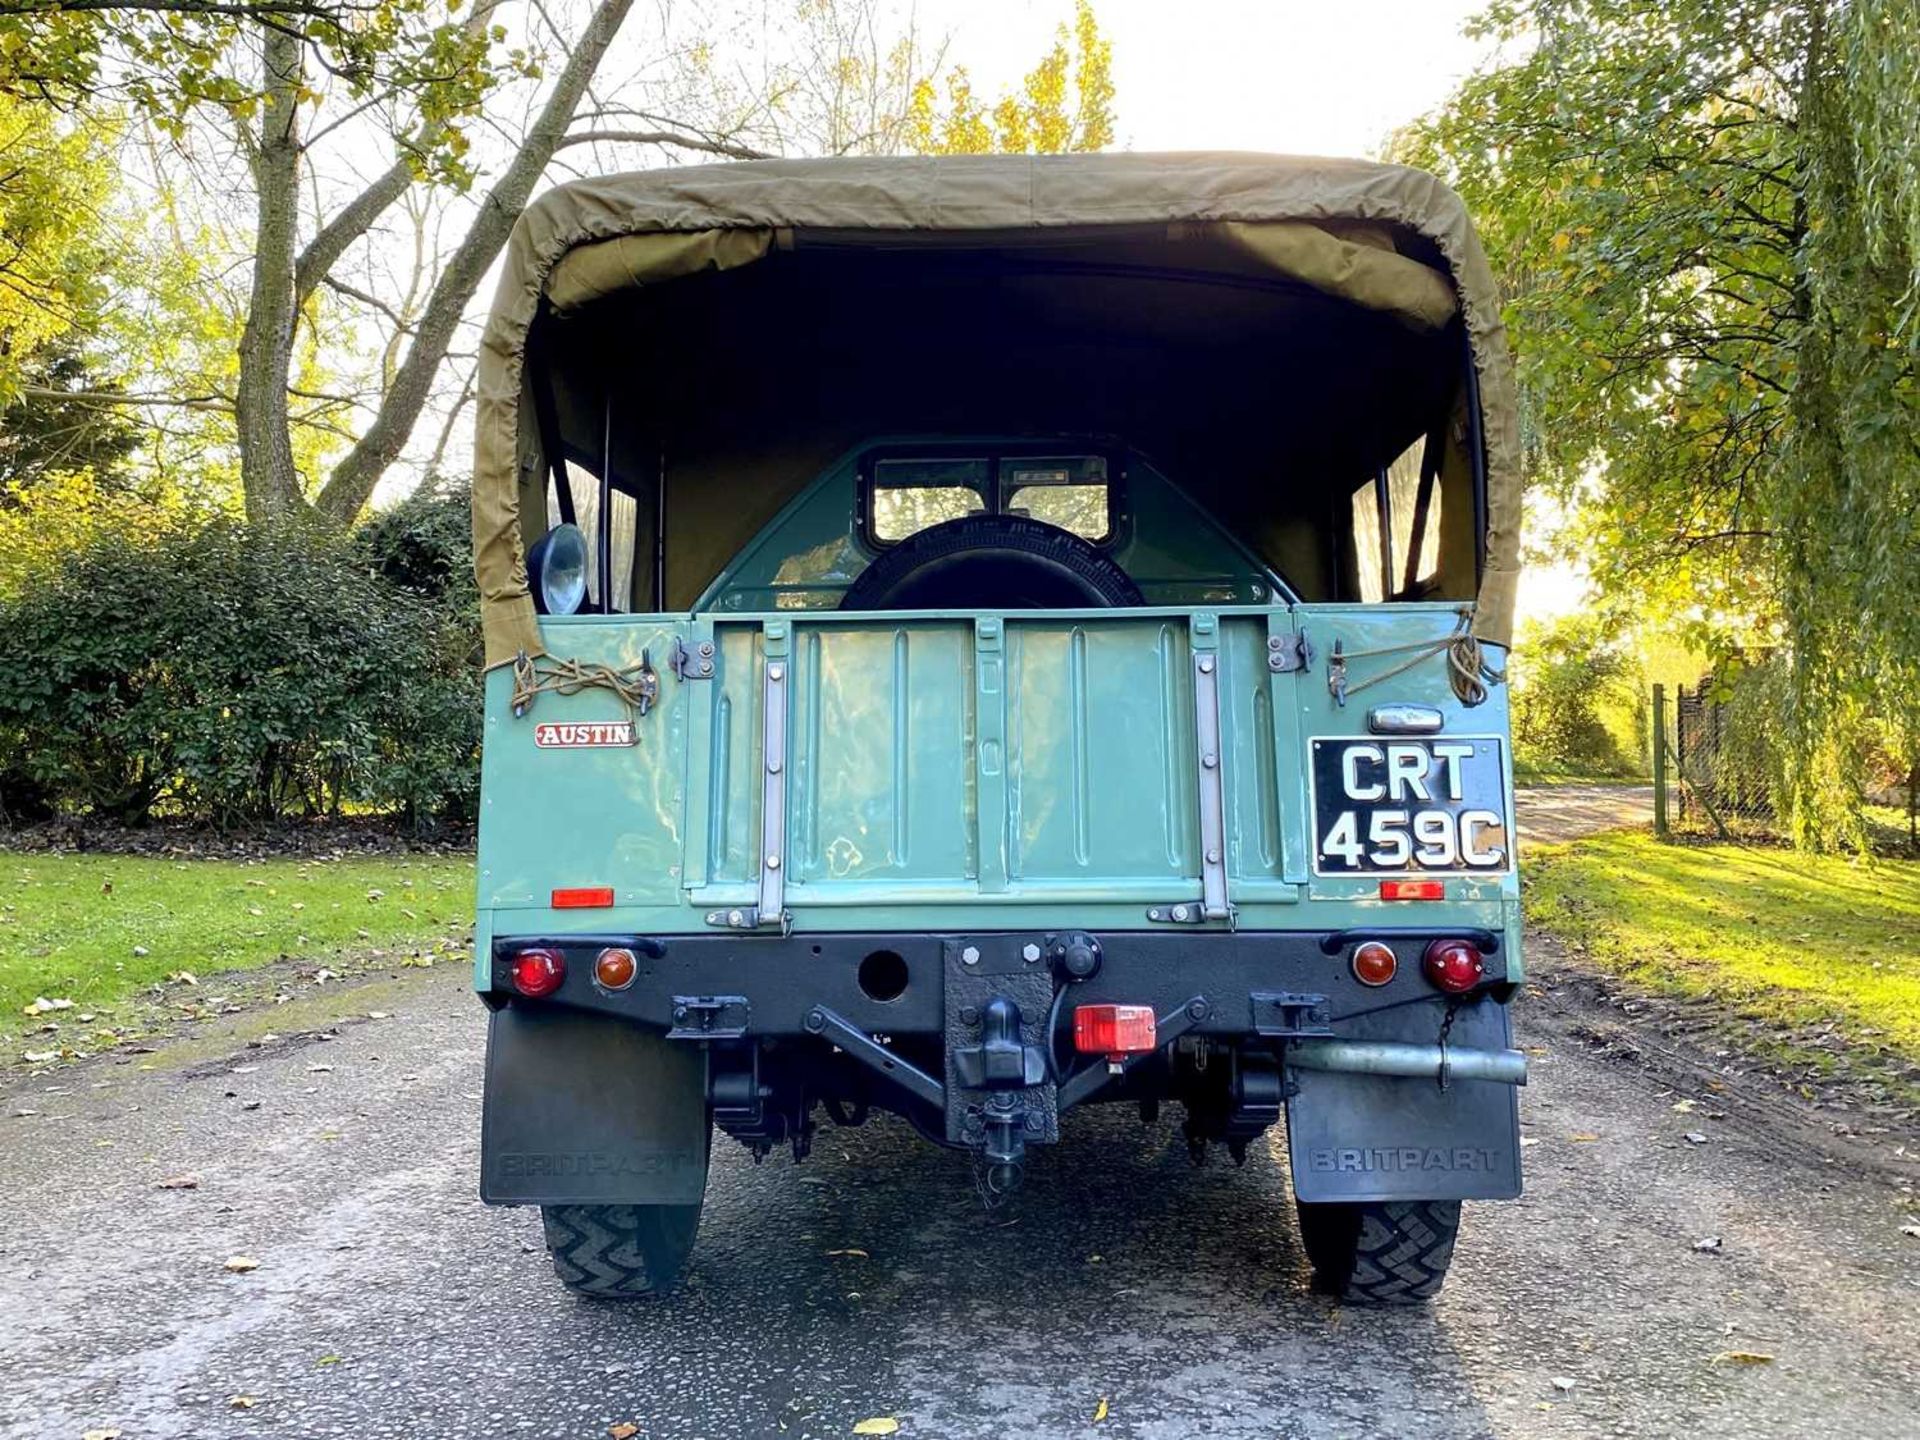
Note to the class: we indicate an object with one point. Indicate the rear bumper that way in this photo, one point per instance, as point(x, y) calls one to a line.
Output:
point(724, 987)
point(1390, 1092)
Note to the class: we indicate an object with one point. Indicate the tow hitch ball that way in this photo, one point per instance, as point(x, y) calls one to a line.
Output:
point(1003, 1065)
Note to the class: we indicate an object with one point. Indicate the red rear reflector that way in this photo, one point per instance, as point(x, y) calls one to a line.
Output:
point(587, 897)
point(1374, 963)
point(1113, 1029)
point(538, 973)
point(1454, 966)
point(1413, 890)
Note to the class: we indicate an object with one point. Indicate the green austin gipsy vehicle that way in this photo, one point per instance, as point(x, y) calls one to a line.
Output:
point(978, 637)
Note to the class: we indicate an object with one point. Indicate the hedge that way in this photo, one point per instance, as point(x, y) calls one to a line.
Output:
point(234, 673)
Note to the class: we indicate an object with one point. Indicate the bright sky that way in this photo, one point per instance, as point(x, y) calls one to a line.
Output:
point(1297, 76)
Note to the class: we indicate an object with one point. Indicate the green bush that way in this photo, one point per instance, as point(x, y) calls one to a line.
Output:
point(424, 545)
point(235, 673)
point(1576, 702)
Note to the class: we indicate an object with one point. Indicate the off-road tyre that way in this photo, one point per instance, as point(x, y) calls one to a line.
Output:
point(620, 1252)
point(1000, 561)
point(1384, 1252)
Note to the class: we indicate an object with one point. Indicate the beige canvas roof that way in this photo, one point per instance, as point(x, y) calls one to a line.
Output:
point(1333, 225)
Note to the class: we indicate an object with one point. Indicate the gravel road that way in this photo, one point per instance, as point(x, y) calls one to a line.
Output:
point(869, 1282)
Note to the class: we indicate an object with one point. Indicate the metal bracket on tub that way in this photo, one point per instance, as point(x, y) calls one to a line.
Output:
point(1288, 653)
point(691, 664)
point(1282, 1015)
point(709, 1017)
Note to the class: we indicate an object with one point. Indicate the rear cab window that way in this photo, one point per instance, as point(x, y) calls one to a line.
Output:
point(908, 493)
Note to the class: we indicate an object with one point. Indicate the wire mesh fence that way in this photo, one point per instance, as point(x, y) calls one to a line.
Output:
point(1714, 774)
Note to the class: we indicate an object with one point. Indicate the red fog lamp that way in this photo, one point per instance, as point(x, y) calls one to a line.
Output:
point(1113, 1029)
point(536, 974)
point(1454, 966)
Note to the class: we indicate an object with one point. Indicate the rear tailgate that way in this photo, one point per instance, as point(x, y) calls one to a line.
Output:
point(955, 771)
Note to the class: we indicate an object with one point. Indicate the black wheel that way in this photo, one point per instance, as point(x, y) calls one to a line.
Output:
point(620, 1252)
point(1003, 561)
point(1390, 1252)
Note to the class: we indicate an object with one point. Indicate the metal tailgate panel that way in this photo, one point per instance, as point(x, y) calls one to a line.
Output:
point(883, 764)
point(1099, 730)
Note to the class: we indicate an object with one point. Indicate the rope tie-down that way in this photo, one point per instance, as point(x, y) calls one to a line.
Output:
point(637, 685)
point(1468, 669)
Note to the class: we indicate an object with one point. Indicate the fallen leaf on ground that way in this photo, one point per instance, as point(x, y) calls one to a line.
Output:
point(1564, 1384)
point(1710, 1245)
point(856, 1254)
point(40, 1057)
point(1742, 1357)
point(378, 1015)
point(328, 1360)
point(625, 1430)
point(1694, 1137)
point(879, 1425)
point(1912, 1232)
point(1100, 1410)
point(319, 1069)
point(112, 1432)
point(1583, 1137)
point(1683, 1107)
point(242, 1402)
point(178, 1182)
point(43, 1006)
point(240, 1264)
point(182, 977)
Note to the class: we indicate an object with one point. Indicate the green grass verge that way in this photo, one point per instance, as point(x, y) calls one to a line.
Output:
point(98, 929)
point(1791, 942)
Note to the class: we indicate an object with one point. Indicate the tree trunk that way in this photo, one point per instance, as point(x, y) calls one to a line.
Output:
point(267, 474)
point(352, 481)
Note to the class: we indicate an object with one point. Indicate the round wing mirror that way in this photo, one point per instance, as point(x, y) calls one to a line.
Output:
point(557, 571)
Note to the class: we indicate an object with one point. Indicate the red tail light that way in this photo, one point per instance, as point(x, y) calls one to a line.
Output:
point(1454, 966)
point(1413, 890)
point(1113, 1029)
point(538, 973)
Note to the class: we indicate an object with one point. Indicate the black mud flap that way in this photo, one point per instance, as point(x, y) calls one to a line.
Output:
point(585, 1109)
point(1386, 1137)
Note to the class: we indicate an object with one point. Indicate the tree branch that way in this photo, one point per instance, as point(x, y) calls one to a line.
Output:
point(664, 137)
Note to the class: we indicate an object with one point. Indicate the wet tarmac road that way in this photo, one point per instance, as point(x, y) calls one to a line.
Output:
point(869, 1282)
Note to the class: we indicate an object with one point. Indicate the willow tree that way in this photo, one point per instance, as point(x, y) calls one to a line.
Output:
point(1707, 215)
